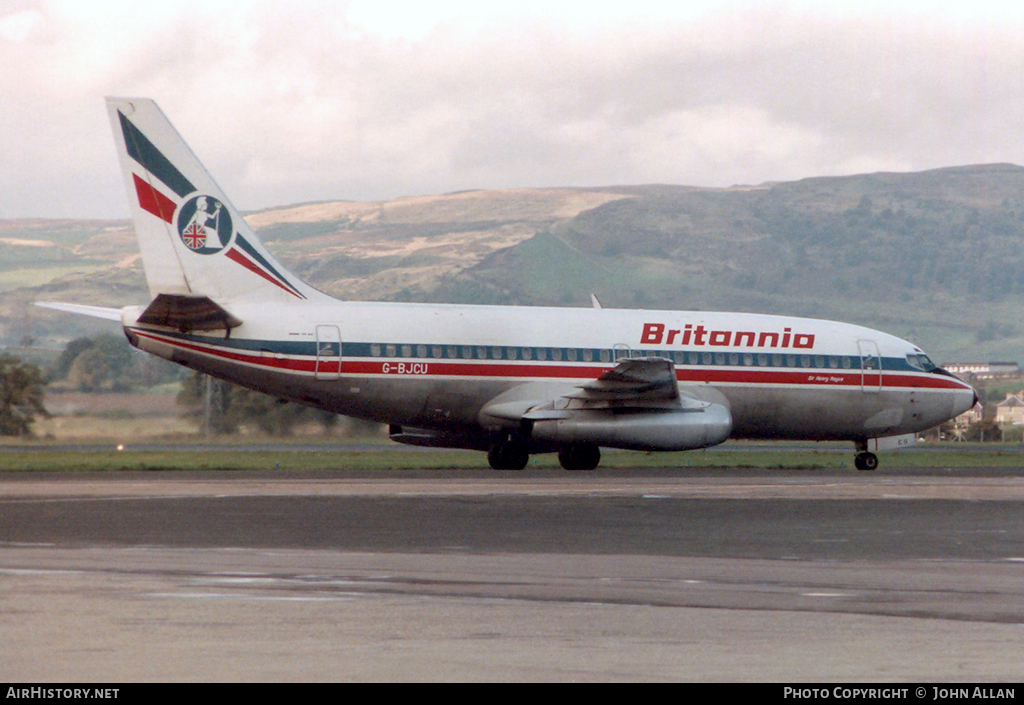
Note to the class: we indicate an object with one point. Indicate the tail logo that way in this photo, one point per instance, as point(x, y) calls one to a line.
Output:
point(204, 225)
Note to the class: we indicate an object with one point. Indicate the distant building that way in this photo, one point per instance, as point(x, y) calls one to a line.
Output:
point(972, 415)
point(1010, 411)
point(983, 370)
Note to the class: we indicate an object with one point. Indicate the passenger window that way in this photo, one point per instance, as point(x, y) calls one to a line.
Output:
point(496, 353)
point(437, 351)
point(606, 355)
point(571, 354)
point(421, 351)
point(391, 350)
point(375, 349)
point(406, 351)
point(556, 354)
point(588, 355)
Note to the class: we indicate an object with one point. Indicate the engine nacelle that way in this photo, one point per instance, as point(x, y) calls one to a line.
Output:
point(671, 429)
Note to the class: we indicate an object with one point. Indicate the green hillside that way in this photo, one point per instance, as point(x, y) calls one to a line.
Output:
point(935, 256)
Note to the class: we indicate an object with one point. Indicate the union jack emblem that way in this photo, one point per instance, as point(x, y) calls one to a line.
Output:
point(194, 236)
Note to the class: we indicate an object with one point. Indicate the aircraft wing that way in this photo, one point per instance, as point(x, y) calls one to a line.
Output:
point(635, 383)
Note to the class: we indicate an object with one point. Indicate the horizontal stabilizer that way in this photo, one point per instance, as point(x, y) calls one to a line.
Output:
point(188, 313)
point(110, 314)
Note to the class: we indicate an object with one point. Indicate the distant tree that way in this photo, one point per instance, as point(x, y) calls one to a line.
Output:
point(89, 371)
point(986, 431)
point(67, 357)
point(207, 399)
point(225, 407)
point(21, 396)
point(108, 363)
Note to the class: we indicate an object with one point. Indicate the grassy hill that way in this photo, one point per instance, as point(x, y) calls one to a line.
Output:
point(935, 256)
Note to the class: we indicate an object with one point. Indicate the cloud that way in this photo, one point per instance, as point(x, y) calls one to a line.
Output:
point(311, 100)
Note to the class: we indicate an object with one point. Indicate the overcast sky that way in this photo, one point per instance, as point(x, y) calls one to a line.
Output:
point(305, 100)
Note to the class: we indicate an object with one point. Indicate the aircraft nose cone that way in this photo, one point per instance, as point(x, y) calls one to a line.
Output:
point(964, 400)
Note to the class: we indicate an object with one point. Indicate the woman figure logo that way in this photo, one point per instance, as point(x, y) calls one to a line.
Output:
point(204, 225)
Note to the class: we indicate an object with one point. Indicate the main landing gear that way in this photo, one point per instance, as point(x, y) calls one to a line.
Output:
point(508, 454)
point(512, 453)
point(582, 456)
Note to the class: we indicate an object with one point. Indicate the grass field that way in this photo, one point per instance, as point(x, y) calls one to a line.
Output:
point(256, 457)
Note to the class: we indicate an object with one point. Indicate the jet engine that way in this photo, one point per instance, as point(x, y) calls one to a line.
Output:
point(635, 429)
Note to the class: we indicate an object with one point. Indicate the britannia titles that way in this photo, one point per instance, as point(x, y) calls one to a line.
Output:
point(655, 334)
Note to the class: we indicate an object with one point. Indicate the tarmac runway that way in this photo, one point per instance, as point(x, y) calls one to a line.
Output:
point(654, 574)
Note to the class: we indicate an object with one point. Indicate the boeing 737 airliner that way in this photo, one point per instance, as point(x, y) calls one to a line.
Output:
point(510, 381)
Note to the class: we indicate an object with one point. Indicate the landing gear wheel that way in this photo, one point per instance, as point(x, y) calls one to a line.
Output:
point(584, 456)
point(866, 461)
point(508, 455)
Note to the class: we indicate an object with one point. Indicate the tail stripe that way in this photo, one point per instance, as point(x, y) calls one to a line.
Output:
point(244, 245)
point(240, 258)
point(145, 153)
point(194, 243)
point(153, 201)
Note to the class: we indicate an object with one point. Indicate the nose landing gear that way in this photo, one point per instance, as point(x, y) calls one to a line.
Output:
point(865, 461)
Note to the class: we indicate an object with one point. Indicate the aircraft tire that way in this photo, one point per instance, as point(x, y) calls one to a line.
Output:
point(508, 455)
point(585, 456)
point(866, 461)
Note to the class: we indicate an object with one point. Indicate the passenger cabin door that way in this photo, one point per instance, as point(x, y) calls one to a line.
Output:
point(870, 366)
point(328, 352)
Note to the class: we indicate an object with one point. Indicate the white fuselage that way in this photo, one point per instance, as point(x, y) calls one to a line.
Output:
point(436, 366)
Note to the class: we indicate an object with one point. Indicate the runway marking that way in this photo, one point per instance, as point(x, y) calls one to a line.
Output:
point(825, 594)
point(40, 571)
point(26, 544)
point(260, 598)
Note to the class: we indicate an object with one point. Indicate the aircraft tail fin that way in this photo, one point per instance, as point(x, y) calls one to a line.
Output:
point(194, 243)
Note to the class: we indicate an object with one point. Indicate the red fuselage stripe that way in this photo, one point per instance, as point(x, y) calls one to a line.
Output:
point(535, 370)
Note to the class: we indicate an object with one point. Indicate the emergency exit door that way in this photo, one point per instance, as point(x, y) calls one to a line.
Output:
point(870, 366)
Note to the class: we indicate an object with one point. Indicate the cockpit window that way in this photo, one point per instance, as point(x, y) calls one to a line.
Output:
point(921, 362)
